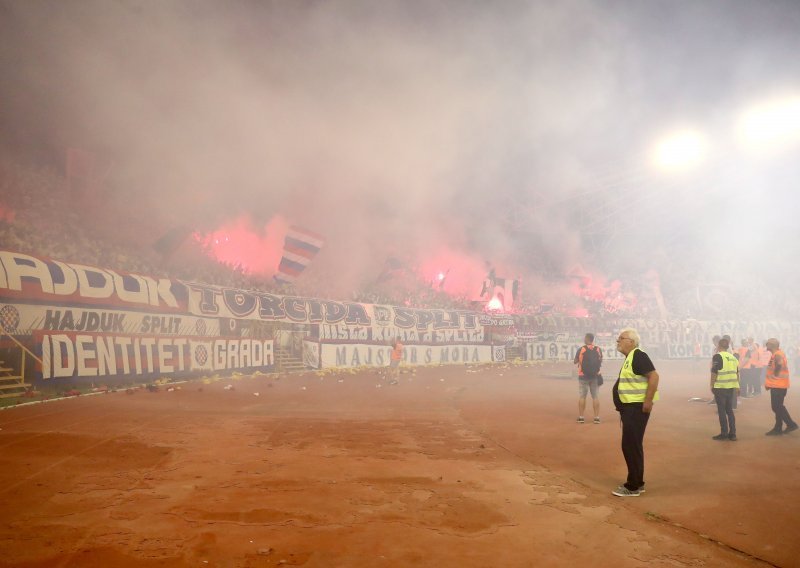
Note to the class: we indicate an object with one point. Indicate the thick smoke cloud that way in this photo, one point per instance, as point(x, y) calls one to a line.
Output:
point(450, 133)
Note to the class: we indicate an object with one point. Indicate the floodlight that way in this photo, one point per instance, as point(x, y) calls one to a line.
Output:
point(770, 124)
point(680, 150)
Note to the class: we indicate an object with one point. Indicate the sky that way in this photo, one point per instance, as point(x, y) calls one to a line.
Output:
point(447, 133)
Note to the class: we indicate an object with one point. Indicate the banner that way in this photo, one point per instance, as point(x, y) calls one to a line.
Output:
point(564, 351)
point(136, 356)
point(34, 280)
point(24, 319)
point(359, 355)
point(162, 325)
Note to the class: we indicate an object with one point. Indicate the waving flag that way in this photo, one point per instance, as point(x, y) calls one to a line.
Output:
point(390, 268)
point(299, 249)
point(506, 290)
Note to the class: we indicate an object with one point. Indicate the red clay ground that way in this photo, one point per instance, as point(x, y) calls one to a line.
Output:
point(453, 467)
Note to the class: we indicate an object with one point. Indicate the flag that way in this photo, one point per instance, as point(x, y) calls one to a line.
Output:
point(171, 241)
point(504, 289)
point(488, 284)
point(299, 249)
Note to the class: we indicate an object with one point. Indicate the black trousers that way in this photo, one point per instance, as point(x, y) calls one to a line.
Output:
point(781, 414)
point(727, 420)
point(634, 423)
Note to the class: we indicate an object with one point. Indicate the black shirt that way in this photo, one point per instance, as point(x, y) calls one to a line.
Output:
point(641, 365)
point(716, 363)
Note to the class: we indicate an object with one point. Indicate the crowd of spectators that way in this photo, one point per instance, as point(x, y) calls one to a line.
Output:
point(38, 216)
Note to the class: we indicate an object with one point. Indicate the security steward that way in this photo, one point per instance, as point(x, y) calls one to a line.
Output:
point(777, 383)
point(725, 388)
point(634, 393)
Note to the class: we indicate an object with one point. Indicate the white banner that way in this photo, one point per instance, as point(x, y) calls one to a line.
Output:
point(358, 355)
point(103, 355)
point(563, 351)
point(22, 319)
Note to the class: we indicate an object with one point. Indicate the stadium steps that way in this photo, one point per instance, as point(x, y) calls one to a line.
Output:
point(287, 362)
point(10, 384)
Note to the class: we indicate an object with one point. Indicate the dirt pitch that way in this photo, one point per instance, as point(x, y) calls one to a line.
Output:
point(453, 467)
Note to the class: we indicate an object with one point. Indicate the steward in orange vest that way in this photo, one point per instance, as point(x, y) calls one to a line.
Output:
point(748, 375)
point(777, 384)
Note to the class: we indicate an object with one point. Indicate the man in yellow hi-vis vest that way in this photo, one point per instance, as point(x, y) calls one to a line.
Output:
point(725, 388)
point(634, 393)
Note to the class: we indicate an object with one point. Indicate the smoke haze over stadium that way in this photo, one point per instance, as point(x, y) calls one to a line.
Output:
point(448, 134)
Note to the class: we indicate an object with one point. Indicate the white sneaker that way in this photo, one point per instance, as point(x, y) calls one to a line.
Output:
point(623, 491)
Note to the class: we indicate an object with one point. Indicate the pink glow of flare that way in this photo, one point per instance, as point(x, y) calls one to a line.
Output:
point(252, 249)
point(458, 273)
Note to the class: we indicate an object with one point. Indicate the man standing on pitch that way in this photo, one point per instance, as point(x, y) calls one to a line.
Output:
point(777, 383)
point(589, 358)
point(725, 388)
point(394, 360)
point(634, 393)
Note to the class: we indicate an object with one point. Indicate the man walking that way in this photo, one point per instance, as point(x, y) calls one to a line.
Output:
point(634, 393)
point(725, 388)
point(777, 383)
point(589, 359)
